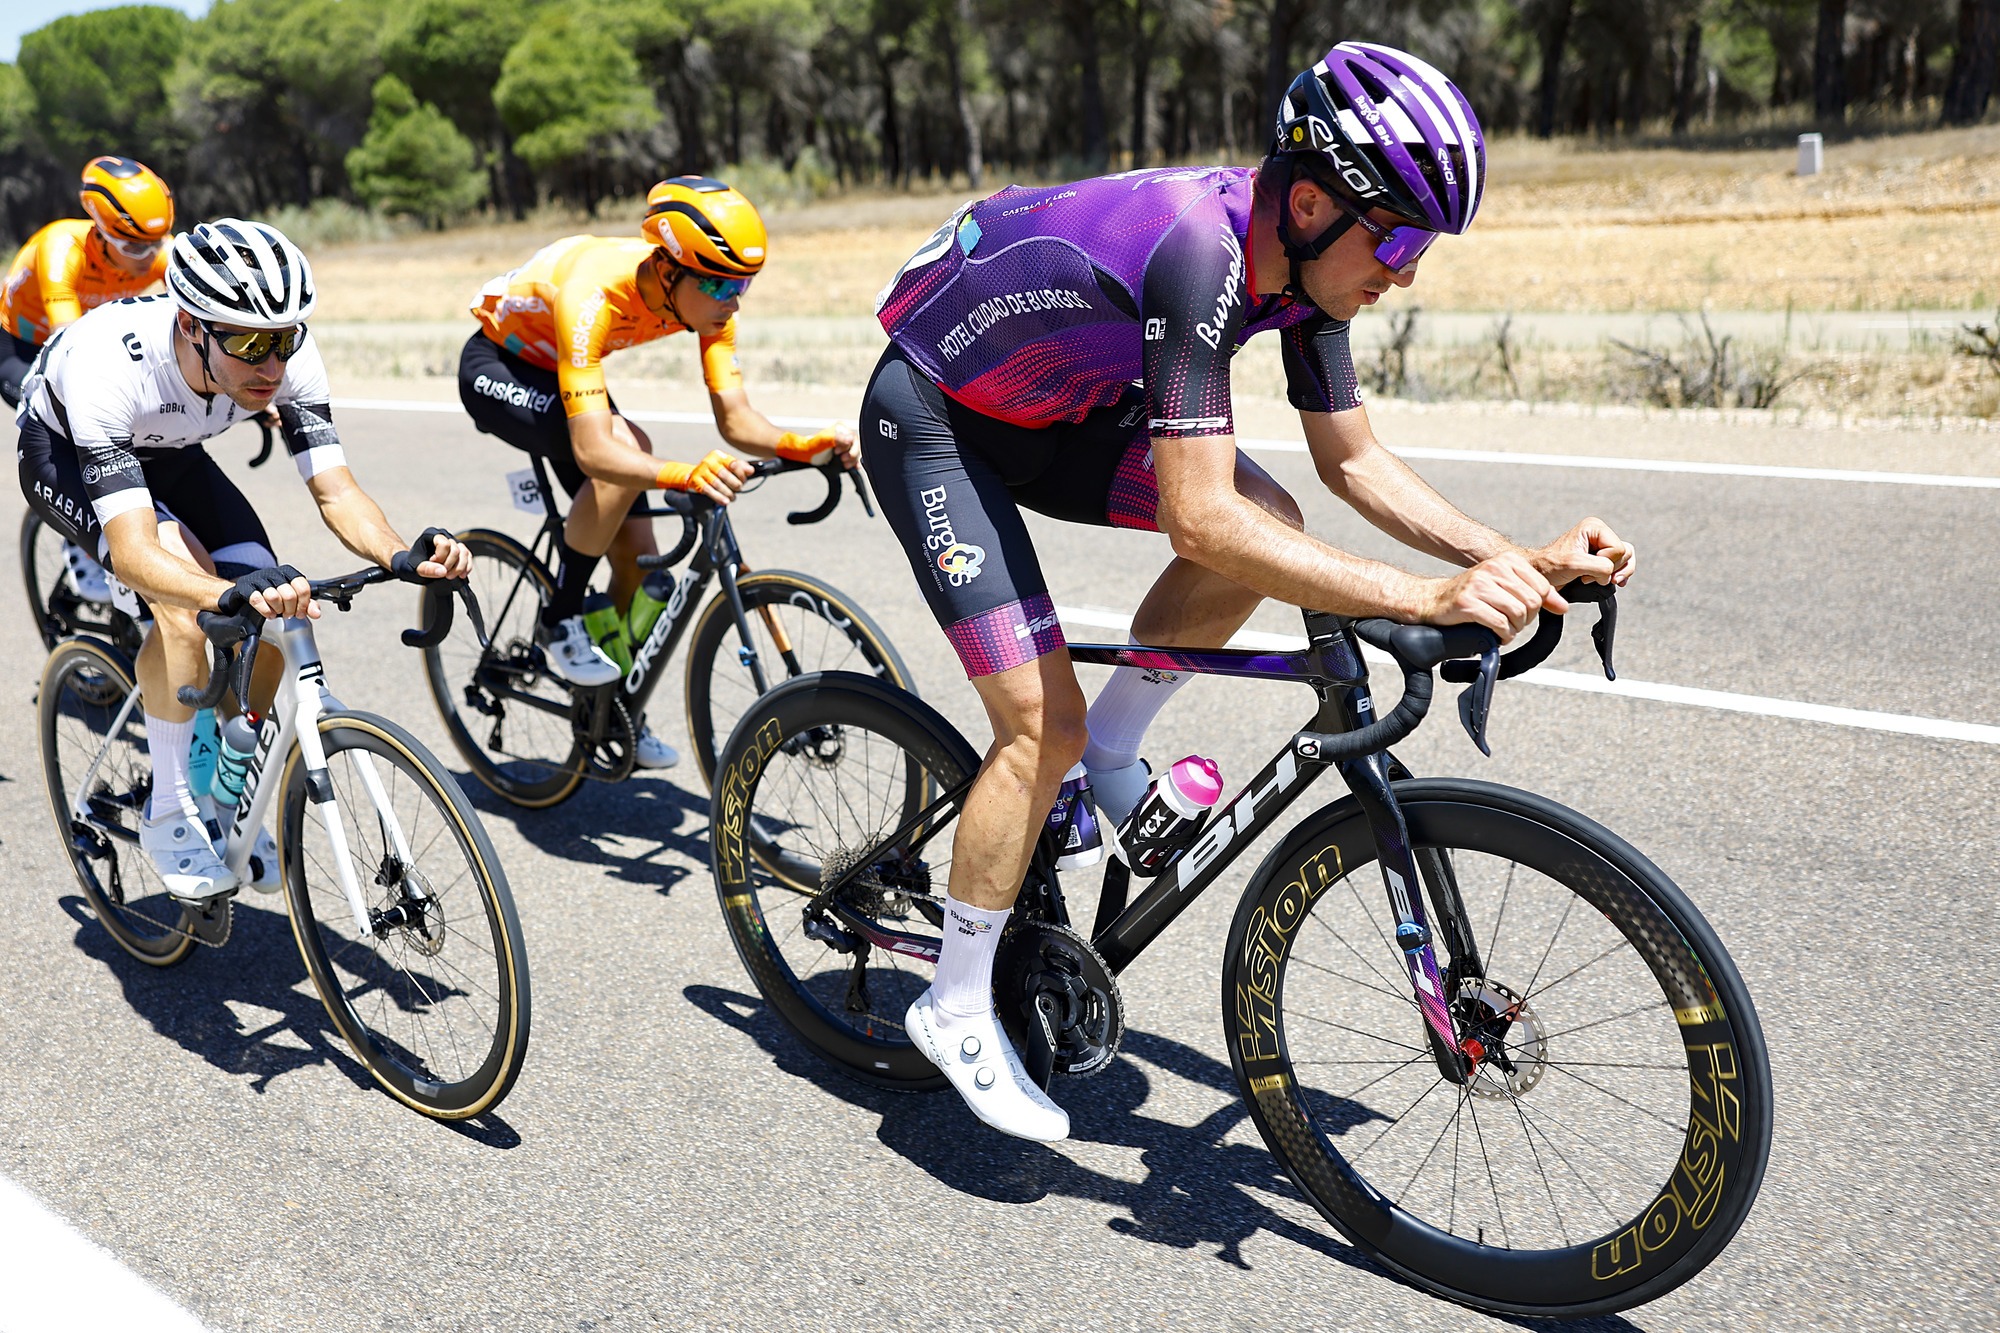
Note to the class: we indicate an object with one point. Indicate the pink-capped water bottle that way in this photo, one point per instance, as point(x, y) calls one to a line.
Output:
point(1170, 814)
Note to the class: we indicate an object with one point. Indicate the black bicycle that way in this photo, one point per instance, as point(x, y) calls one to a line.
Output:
point(1530, 1080)
point(533, 738)
point(58, 606)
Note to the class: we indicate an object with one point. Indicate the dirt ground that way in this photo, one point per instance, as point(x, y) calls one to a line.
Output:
point(1897, 223)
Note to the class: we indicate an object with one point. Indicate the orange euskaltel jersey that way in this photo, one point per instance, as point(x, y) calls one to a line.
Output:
point(575, 302)
point(61, 272)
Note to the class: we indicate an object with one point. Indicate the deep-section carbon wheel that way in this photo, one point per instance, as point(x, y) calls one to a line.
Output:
point(820, 775)
point(432, 995)
point(797, 624)
point(508, 717)
point(85, 722)
point(1613, 1134)
point(53, 603)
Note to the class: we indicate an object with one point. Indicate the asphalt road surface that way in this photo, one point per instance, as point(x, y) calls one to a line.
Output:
point(673, 1157)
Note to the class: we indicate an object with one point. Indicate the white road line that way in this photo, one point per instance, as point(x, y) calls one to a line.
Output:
point(56, 1280)
point(1587, 461)
point(1721, 700)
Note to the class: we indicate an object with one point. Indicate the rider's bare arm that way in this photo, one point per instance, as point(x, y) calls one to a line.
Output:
point(744, 427)
point(1213, 525)
point(151, 570)
point(352, 515)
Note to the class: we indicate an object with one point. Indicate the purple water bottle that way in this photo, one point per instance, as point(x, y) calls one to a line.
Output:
point(1170, 815)
point(1073, 819)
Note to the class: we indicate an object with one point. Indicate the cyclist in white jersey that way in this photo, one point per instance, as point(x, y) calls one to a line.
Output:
point(112, 420)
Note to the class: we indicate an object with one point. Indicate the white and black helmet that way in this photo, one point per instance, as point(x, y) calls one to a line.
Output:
point(244, 273)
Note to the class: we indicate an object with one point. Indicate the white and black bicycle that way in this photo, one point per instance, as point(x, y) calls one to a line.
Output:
point(396, 897)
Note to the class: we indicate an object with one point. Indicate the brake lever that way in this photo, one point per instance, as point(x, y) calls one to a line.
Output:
point(1476, 702)
point(861, 490)
point(1604, 632)
point(464, 591)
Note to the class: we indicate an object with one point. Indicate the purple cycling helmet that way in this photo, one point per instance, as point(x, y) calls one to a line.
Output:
point(1390, 127)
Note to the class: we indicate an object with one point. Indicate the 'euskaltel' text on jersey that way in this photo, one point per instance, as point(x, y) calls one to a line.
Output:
point(110, 385)
point(1037, 305)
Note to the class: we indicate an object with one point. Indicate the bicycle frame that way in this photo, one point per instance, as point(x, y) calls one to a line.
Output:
point(1332, 664)
point(302, 698)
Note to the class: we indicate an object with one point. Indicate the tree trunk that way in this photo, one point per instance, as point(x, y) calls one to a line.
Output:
point(892, 141)
point(1690, 63)
point(1975, 66)
point(1829, 68)
point(1555, 40)
point(1285, 18)
point(1096, 147)
point(1142, 66)
point(954, 26)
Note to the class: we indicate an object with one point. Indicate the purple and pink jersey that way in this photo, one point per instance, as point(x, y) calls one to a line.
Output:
point(1037, 306)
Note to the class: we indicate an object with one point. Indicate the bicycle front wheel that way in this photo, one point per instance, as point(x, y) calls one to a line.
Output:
point(820, 774)
point(432, 991)
point(508, 716)
point(1612, 1135)
point(797, 625)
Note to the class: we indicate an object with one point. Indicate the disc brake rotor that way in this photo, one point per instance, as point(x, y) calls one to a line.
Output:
point(1505, 1037)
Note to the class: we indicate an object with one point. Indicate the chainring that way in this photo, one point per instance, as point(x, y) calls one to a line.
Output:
point(613, 757)
point(1040, 959)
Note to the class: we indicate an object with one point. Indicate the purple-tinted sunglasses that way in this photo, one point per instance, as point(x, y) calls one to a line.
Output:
point(1396, 248)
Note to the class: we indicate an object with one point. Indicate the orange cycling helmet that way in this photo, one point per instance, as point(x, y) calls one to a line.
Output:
point(705, 227)
point(128, 200)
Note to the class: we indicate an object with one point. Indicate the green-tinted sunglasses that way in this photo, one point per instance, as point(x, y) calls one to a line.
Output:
point(720, 289)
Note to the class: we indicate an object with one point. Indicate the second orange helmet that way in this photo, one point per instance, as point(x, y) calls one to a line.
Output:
point(705, 226)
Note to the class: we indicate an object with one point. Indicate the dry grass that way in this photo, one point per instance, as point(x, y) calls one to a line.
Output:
point(1903, 222)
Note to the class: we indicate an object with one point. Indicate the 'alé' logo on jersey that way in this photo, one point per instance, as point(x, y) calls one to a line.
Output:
point(959, 561)
point(1229, 297)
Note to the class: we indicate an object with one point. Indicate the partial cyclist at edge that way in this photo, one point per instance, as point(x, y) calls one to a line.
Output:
point(73, 265)
point(533, 374)
point(112, 422)
point(1068, 350)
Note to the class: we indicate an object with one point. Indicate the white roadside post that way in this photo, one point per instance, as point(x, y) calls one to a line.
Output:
point(1812, 154)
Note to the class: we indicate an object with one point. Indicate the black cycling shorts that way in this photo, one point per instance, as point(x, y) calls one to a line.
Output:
point(188, 488)
point(17, 356)
point(519, 402)
point(951, 482)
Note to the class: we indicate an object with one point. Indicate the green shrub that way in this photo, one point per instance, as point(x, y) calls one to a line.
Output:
point(414, 161)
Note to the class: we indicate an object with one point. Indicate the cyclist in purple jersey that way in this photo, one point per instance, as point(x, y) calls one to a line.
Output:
point(1068, 349)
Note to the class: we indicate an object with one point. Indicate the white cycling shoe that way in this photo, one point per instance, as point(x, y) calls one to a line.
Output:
point(86, 577)
point(266, 874)
point(652, 752)
point(571, 656)
point(981, 1063)
point(185, 858)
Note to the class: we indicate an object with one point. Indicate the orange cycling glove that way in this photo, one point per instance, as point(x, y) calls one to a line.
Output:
point(815, 449)
point(694, 476)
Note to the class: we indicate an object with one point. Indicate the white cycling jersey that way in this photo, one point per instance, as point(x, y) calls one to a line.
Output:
point(109, 384)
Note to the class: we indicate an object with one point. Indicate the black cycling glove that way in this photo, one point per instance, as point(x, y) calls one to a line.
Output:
point(404, 563)
point(236, 599)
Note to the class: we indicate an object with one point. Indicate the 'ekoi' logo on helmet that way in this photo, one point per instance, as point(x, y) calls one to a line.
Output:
point(961, 560)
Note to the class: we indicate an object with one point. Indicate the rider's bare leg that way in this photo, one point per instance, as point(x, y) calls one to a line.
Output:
point(175, 653)
point(597, 524)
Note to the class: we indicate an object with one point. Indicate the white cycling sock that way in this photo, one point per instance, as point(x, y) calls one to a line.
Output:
point(963, 986)
point(168, 742)
point(1124, 708)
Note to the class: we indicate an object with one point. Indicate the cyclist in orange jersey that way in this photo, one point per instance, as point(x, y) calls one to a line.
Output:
point(533, 374)
point(77, 264)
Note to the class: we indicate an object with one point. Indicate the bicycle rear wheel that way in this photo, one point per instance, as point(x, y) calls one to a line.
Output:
point(819, 773)
point(1613, 1137)
point(84, 721)
point(57, 611)
point(507, 715)
point(797, 625)
point(433, 996)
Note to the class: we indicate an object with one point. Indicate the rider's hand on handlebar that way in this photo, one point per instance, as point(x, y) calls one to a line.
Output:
point(434, 555)
point(718, 475)
point(1590, 550)
point(823, 446)
point(275, 594)
point(1504, 593)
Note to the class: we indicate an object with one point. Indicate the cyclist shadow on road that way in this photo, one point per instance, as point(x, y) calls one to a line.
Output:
point(599, 825)
point(1201, 1182)
point(200, 1004)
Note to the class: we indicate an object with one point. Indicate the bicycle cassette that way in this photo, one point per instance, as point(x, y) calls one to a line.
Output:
point(1057, 999)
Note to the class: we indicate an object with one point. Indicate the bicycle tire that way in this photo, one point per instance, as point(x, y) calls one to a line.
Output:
point(1672, 1206)
point(84, 684)
point(59, 613)
point(800, 732)
point(451, 943)
point(525, 768)
point(862, 647)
